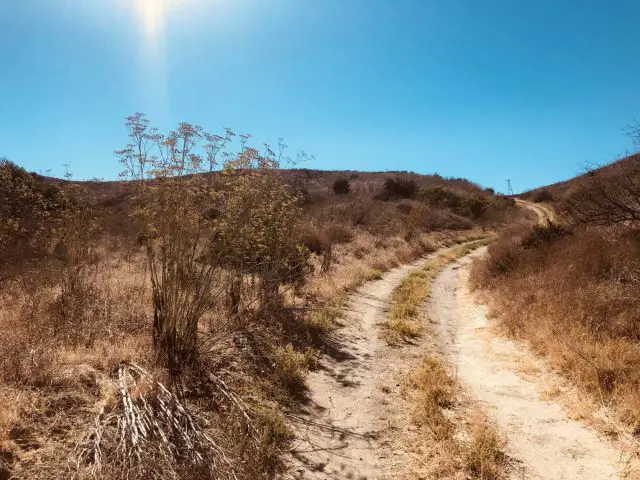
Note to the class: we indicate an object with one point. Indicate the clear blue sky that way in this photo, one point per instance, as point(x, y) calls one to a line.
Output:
point(487, 90)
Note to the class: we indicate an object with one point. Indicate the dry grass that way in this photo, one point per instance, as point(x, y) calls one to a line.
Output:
point(406, 321)
point(472, 447)
point(434, 392)
point(51, 364)
point(574, 297)
point(291, 367)
point(78, 321)
point(453, 447)
point(48, 365)
point(403, 323)
point(484, 453)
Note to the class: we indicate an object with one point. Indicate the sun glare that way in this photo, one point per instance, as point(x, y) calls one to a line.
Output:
point(151, 14)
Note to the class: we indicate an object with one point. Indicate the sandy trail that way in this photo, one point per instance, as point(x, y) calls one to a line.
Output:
point(352, 427)
point(542, 441)
point(347, 429)
point(545, 213)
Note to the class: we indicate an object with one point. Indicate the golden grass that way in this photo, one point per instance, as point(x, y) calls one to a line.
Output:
point(291, 368)
point(406, 321)
point(45, 360)
point(484, 453)
point(73, 322)
point(434, 391)
point(574, 300)
point(473, 447)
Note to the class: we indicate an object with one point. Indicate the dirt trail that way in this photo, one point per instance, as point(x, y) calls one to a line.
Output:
point(545, 214)
point(352, 427)
point(346, 431)
point(543, 442)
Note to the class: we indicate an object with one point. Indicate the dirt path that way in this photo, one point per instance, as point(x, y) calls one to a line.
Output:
point(545, 214)
point(355, 423)
point(542, 441)
point(346, 431)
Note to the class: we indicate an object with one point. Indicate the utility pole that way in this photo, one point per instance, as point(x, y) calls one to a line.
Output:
point(509, 189)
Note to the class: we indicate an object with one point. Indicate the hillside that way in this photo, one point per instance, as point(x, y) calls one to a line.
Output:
point(259, 322)
point(202, 297)
point(569, 289)
point(561, 191)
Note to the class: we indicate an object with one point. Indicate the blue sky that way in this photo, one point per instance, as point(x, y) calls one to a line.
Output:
point(486, 90)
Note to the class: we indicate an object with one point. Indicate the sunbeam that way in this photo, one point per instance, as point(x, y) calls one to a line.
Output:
point(151, 14)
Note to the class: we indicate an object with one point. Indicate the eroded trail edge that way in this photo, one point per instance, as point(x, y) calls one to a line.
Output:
point(543, 442)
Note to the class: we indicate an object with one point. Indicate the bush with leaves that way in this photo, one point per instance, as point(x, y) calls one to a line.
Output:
point(258, 228)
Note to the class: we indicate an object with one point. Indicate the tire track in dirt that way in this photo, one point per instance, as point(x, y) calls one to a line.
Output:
point(542, 441)
point(343, 430)
point(349, 428)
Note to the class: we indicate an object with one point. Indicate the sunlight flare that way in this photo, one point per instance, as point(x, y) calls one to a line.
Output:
point(151, 14)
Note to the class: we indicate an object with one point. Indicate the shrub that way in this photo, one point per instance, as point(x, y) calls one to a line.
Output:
point(547, 234)
point(399, 188)
point(572, 294)
point(339, 233)
point(461, 203)
point(291, 369)
point(435, 391)
point(405, 208)
point(341, 186)
point(484, 456)
point(27, 207)
point(610, 195)
point(198, 261)
point(543, 195)
point(315, 239)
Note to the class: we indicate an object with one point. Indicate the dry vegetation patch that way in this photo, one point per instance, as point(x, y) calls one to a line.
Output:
point(572, 295)
point(406, 319)
point(459, 437)
point(455, 436)
point(197, 292)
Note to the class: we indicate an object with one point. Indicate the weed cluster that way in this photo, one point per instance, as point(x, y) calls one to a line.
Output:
point(479, 450)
